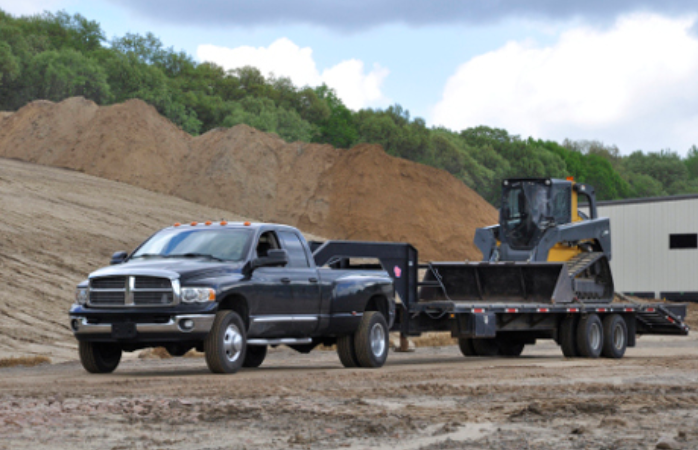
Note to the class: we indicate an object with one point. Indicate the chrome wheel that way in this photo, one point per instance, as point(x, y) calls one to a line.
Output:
point(232, 343)
point(377, 340)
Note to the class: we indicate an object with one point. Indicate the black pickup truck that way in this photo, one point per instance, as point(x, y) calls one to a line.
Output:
point(230, 290)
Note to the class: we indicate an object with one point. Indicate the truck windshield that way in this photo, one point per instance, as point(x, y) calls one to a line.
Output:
point(221, 244)
point(525, 211)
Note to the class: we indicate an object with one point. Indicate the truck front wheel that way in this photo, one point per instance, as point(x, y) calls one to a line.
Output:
point(226, 343)
point(98, 357)
point(371, 340)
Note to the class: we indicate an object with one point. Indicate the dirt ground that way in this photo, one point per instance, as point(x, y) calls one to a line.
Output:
point(430, 399)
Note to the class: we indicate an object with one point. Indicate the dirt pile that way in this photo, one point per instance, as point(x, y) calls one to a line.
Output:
point(360, 193)
point(56, 227)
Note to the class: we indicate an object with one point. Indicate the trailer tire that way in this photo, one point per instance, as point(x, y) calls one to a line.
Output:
point(590, 336)
point(226, 344)
point(254, 357)
point(615, 332)
point(371, 342)
point(568, 337)
point(346, 352)
point(466, 347)
point(510, 348)
point(486, 347)
point(98, 357)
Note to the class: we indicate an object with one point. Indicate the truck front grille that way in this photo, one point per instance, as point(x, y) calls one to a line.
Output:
point(131, 291)
point(152, 298)
point(106, 298)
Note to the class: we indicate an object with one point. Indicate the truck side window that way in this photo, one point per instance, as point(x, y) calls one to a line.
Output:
point(294, 247)
point(267, 241)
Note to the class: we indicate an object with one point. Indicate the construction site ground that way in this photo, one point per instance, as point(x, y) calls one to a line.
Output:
point(433, 398)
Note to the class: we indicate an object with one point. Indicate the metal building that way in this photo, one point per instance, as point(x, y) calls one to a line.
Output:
point(655, 246)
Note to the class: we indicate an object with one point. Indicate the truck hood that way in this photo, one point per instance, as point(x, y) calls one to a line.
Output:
point(182, 269)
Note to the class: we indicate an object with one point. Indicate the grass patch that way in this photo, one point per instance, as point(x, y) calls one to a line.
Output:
point(26, 361)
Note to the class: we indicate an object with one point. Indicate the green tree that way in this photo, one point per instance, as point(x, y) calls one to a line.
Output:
point(56, 75)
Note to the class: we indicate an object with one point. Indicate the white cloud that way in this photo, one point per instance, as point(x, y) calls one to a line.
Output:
point(29, 7)
point(633, 85)
point(356, 87)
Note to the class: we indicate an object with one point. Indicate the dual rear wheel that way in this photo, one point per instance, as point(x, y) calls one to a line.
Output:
point(368, 347)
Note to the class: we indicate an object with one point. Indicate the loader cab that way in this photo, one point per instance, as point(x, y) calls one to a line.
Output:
point(531, 206)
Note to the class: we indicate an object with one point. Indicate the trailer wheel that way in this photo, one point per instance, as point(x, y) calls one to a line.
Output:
point(255, 355)
point(510, 348)
point(486, 347)
point(371, 340)
point(226, 343)
point(346, 352)
point(615, 332)
point(97, 357)
point(466, 347)
point(590, 336)
point(568, 337)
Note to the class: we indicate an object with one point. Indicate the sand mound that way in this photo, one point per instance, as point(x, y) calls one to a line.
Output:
point(57, 226)
point(360, 193)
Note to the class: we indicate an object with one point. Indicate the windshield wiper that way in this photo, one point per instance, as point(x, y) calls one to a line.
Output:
point(148, 255)
point(195, 255)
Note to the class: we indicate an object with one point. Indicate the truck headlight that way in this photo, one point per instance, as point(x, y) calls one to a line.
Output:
point(198, 295)
point(81, 296)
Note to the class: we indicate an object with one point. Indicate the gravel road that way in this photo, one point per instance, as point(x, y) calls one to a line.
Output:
point(430, 399)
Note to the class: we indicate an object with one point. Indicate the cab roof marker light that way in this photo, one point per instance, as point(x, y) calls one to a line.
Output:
point(177, 224)
point(223, 223)
point(208, 222)
point(193, 224)
point(247, 224)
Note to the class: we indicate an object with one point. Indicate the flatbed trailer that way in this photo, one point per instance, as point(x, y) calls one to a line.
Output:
point(488, 316)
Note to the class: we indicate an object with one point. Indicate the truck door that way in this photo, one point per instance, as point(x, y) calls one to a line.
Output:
point(272, 294)
point(304, 284)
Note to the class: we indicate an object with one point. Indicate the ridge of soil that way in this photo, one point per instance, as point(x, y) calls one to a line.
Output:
point(360, 193)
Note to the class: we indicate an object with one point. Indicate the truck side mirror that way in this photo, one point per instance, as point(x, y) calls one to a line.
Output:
point(118, 258)
point(274, 258)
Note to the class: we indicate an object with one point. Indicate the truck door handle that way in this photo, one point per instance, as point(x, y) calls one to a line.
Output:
point(312, 280)
point(285, 280)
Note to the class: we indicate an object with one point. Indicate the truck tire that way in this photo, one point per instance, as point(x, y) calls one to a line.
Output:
point(590, 336)
point(486, 347)
point(510, 348)
point(615, 332)
point(371, 340)
point(254, 357)
point(568, 337)
point(346, 352)
point(466, 347)
point(98, 357)
point(226, 344)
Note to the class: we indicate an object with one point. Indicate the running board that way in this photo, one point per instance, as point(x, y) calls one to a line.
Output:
point(282, 341)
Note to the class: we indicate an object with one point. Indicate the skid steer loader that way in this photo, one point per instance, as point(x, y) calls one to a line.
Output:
point(544, 250)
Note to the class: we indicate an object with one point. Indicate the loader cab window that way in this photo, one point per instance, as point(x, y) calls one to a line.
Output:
point(526, 213)
point(561, 205)
point(267, 241)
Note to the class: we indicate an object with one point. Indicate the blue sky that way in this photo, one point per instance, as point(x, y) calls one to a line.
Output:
point(621, 72)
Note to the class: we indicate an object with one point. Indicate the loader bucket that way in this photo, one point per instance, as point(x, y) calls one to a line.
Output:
point(485, 282)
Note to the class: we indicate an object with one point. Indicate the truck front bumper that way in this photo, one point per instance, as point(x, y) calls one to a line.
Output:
point(184, 324)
